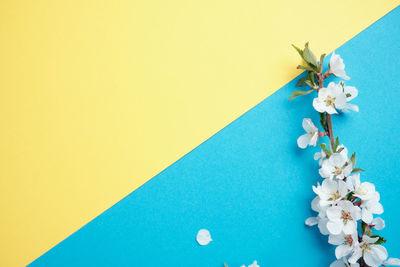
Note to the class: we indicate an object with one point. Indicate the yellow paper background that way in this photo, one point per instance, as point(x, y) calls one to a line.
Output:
point(96, 97)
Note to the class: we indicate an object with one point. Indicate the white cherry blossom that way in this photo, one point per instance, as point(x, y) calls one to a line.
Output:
point(330, 98)
point(336, 67)
point(364, 191)
point(374, 255)
point(343, 217)
point(311, 137)
point(335, 167)
point(330, 192)
point(345, 244)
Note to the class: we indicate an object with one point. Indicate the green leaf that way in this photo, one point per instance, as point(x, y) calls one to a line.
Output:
point(340, 150)
point(300, 67)
point(357, 170)
point(309, 83)
point(323, 146)
point(335, 146)
point(302, 81)
point(297, 93)
point(349, 195)
point(309, 56)
point(353, 159)
point(381, 239)
point(298, 50)
point(322, 119)
point(310, 75)
point(321, 63)
point(363, 225)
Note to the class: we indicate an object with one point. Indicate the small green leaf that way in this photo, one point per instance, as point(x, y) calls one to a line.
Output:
point(310, 75)
point(321, 63)
point(322, 119)
point(357, 170)
point(363, 225)
point(353, 159)
point(298, 50)
point(302, 81)
point(349, 195)
point(348, 95)
point(309, 83)
point(297, 93)
point(309, 56)
point(335, 146)
point(323, 146)
point(381, 239)
point(300, 67)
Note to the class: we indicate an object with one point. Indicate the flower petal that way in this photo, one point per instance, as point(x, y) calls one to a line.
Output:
point(334, 227)
point(309, 126)
point(392, 262)
point(312, 221)
point(203, 237)
point(303, 140)
point(342, 251)
point(378, 223)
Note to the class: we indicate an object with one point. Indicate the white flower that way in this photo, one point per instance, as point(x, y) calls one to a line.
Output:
point(350, 92)
point(330, 98)
point(330, 192)
point(370, 207)
point(373, 255)
point(378, 223)
point(254, 264)
point(364, 191)
point(343, 217)
point(203, 237)
point(320, 156)
point(336, 67)
point(345, 244)
point(335, 167)
point(392, 262)
point(311, 137)
point(343, 263)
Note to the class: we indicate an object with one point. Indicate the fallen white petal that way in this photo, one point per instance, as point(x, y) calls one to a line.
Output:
point(312, 221)
point(392, 262)
point(203, 237)
point(254, 264)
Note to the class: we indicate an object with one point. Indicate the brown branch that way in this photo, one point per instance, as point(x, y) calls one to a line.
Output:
point(321, 78)
point(330, 129)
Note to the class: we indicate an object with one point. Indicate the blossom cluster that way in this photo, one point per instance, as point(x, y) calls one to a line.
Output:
point(346, 207)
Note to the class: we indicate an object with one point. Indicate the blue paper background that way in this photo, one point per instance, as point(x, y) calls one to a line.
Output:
point(251, 186)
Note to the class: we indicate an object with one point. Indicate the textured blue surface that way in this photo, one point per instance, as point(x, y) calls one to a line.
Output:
point(251, 186)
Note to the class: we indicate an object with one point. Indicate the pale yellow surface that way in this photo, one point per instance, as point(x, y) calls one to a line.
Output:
point(96, 97)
